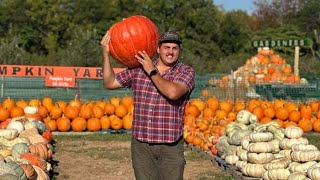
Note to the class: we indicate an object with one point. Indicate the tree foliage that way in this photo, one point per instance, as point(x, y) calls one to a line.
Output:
point(68, 32)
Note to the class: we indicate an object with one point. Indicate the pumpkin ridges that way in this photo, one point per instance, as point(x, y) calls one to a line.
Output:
point(143, 35)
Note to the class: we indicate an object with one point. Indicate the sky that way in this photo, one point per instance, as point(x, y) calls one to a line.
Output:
point(246, 5)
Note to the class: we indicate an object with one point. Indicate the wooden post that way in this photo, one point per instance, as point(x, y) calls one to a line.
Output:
point(296, 60)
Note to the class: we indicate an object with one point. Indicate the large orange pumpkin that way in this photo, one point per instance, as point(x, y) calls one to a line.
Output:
point(133, 34)
point(63, 124)
point(78, 124)
point(127, 121)
point(105, 122)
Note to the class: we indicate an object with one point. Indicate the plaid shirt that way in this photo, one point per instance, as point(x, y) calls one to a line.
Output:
point(157, 119)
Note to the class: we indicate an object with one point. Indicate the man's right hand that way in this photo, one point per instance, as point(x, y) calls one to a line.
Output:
point(104, 43)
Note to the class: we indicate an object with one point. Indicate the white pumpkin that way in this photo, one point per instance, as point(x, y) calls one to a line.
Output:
point(277, 163)
point(232, 159)
point(303, 147)
point(285, 153)
point(17, 125)
point(276, 174)
point(243, 116)
point(31, 110)
point(253, 170)
point(241, 164)
point(293, 132)
point(287, 143)
point(305, 156)
point(314, 171)
point(297, 176)
point(260, 147)
point(9, 133)
point(242, 154)
point(260, 158)
point(301, 167)
point(261, 136)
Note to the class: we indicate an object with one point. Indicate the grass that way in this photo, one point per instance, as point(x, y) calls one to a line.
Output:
point(93, 137)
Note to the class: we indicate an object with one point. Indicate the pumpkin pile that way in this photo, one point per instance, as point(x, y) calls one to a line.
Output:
point(25, 148)
point(259, 137)
point(264, 67)
point(116, 113)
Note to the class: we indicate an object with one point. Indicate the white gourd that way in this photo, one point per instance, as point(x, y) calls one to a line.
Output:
point(253, 119)
point(245, 142)
point(242, 154)
point(305, 156)
point(9, 133)
point(293, 132)
point(302, 147)
point(287, 143)
point(31, 110)
point(260, 147)
point(276, 145)
point(276, 174)
point(277, 163)
point(297, 176)
point(261, 136)
point(286, 153)
point(232, 159)
point(301, 167)
point(236, 136)
point(243, 116)
point(253, 170)
point(279, 134)
point(260, 158)
point(241, 164)
point(29, 125)
point(314, 171)
point(17, 125)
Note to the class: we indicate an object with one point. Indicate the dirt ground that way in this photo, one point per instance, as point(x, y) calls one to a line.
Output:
point(86, 160)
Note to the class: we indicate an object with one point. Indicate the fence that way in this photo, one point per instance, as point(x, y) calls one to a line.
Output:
point(92, 89)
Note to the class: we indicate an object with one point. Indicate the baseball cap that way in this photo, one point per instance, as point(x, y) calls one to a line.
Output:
point(170, 36)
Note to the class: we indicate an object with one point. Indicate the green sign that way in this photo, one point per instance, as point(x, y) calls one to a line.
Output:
point(279, 43)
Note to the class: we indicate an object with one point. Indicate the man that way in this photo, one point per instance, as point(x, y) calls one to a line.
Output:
point(161, 89)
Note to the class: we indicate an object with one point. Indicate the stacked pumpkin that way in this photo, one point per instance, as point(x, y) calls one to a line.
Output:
point(268, 151)
point(207, 120)
point(117, 113)
point(25, 149)
point(264, 67)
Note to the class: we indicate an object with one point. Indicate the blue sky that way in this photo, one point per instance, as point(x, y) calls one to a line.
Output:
point(246, 5)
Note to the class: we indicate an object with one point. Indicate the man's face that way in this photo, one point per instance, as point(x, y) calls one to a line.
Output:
point(169, 53)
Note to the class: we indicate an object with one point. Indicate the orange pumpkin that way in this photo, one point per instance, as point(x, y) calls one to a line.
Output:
point(269, 112)
point(295, 116)
point(63, 124)
point(109, 108)
point(4, 114)
point(138, 30)
point(127, 101)
point(127, 121)
point(282, 113)
point(43, 111)
point(93, 124)
point(305, 110)
point(212, 103)
point(97, 112)
point(86, 111)
point(22, 103)
point(55, 112)
point(305, 125)
point(115, 100)
point(116, 122)
point(16, 111)
point(192, 110)
point(34, 102)
point(78, 124)
point(105, 122)
point(121, 111)
point(76, 103)
point(51, 124)
point(316, 125)
point(8, 104)
point(71, 112)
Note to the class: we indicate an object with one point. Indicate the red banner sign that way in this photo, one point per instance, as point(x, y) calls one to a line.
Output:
point(54, 71)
